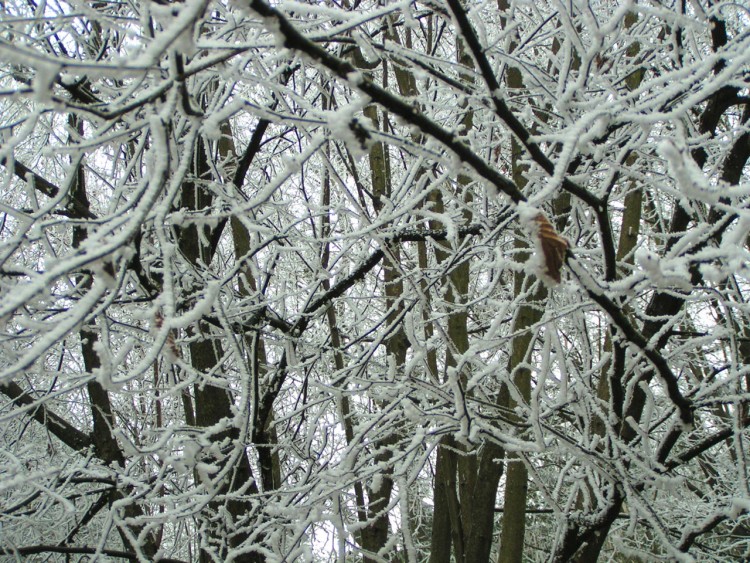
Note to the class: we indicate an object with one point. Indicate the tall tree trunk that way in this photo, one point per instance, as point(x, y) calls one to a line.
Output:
point(213, 404)
point(529, 314)
point(102, 415)
point(469, 499)
point(376, 533)
point(513, 533)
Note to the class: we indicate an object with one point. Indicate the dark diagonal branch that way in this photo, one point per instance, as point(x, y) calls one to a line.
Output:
point(294, 40)
point(239, 176)
point(634, 336)
point(77, 209)
point(504, 112)
point(55, 424)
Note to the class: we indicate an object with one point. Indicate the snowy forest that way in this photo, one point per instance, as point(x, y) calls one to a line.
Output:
point(421, 281)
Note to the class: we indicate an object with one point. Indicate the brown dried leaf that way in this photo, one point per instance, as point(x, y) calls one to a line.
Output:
point(553, 247)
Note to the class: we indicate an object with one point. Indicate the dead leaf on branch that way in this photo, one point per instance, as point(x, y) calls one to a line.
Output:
point(553, 247)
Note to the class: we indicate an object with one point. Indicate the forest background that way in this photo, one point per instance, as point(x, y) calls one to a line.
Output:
point(361, 280)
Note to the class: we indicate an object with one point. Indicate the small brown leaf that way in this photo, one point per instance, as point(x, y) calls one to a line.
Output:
point(171, 346)
point(553, 247)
